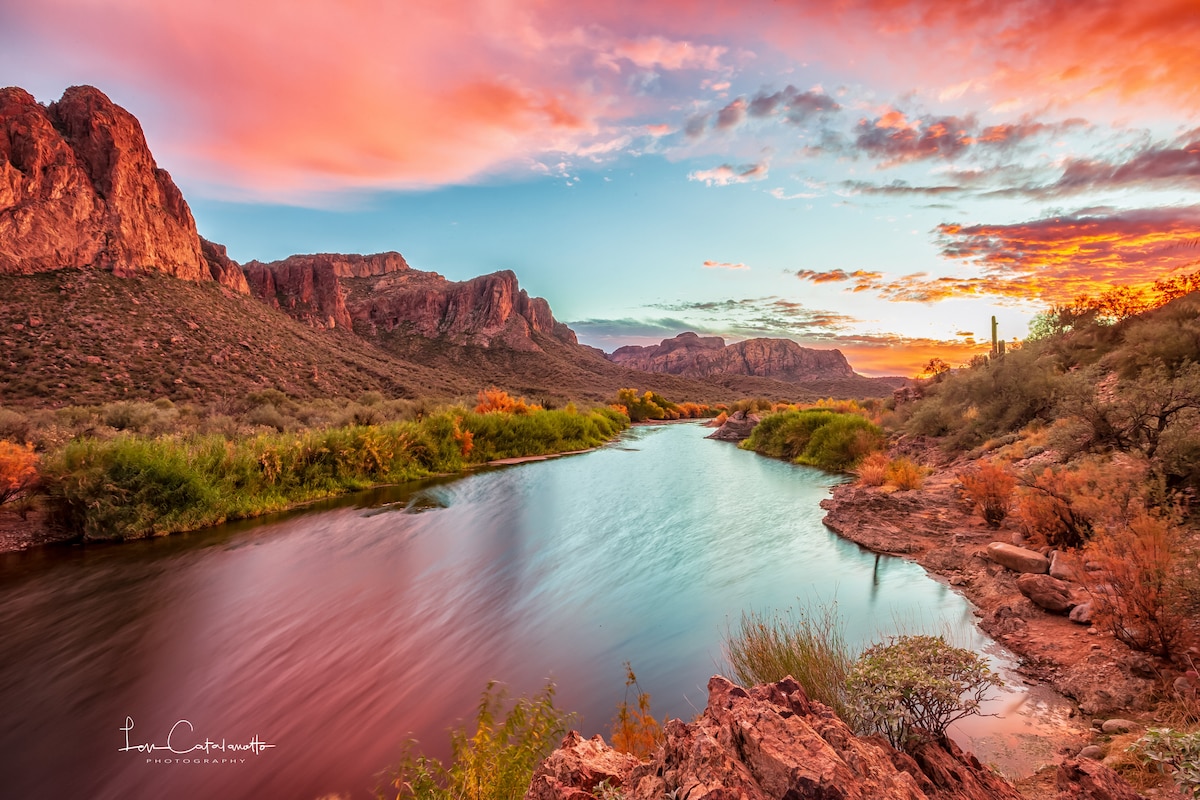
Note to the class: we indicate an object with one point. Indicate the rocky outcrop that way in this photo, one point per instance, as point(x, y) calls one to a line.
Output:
point(768, 742)
point(80, 189)
point(1085, 779)
point(381, 293)
point(224, 270)
point(736, 427)
point(703, 357)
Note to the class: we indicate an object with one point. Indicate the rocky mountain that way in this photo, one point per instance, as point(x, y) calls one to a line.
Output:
point(703, 357)
point(83, 203)
point(368, 294)
point(79, 188)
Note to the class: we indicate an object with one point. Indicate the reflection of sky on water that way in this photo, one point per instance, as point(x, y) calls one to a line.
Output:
point(338, 633)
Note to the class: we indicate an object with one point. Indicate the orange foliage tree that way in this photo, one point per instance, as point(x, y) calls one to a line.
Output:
point(493, 399)
point(989, 487)
point(18, 470)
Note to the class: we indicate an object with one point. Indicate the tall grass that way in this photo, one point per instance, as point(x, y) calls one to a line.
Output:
point(133, 486)
point(806, 644)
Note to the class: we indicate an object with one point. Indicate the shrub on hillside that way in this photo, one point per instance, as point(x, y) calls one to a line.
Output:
point(904, 474)
point(1139, 591)
point(989, 488)
point(872, 470)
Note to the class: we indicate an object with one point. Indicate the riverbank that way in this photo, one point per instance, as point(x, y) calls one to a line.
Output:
point(935, 528)
point(133, 487)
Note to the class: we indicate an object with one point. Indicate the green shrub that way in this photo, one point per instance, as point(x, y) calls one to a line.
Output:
point(1173, 751)
point(496, 762)
point(914, 687)
point(133, 486)
point(830, 440)
point(808, 645)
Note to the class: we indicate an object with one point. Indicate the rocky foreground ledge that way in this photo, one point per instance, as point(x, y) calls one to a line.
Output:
point(772, 741)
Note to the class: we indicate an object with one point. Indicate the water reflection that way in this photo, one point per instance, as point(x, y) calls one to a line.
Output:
point(339, 632)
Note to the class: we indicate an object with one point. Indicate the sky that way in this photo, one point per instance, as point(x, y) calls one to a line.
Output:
point(876, 176)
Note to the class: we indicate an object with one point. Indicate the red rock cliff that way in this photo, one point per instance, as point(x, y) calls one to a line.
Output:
point(382, 293)
point(701, 357)
point(79, 188)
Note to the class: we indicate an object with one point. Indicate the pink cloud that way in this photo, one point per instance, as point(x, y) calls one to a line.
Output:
point(724, 265)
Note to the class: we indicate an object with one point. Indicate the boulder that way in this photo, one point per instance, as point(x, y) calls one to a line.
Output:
point(1092, 751)
point(767, 742)
point(1060, 567)
point(736, 428)
point(1117, 725)
point(1086, 779)
point(1082, 614)
point(1048, 593)
point(1018, 559)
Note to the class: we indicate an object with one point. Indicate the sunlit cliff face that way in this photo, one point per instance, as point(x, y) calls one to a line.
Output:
point(901, 169)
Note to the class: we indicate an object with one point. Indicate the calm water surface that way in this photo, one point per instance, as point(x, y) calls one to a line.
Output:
point(336, 634)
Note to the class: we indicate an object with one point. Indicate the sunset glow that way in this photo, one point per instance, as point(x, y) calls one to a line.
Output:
point(879, 176)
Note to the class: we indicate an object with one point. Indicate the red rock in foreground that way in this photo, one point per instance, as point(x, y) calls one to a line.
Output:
point(768, 742)
point(80, 189)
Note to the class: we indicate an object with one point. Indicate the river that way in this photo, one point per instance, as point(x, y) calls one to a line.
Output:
point(335, 634)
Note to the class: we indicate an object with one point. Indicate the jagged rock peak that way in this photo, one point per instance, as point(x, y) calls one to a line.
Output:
point(702, 357)
point(79, 188)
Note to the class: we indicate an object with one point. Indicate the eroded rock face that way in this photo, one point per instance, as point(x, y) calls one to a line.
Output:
point(381, 293)
point(224, 270)
point(768, 742)
point(702, 357)
point(80, 189)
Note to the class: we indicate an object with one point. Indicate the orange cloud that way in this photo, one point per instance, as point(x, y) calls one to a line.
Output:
point(724, 265)
point(1051, 260)
point(727, 174)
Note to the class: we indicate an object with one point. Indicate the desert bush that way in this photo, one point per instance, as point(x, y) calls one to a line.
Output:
point(914, 687)
point(806, 644)
point(989, 488)
point(635, 730)
point(496, 762)
point(14, 426)
point(872, 470)
point(18, 470)
point(1173, 752)
point(905, 474)
point(1139, 592)
point(497, 400)
point(267, 416)
point(1062, 507)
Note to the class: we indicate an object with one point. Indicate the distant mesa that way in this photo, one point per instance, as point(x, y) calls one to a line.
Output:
point(696, 356)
